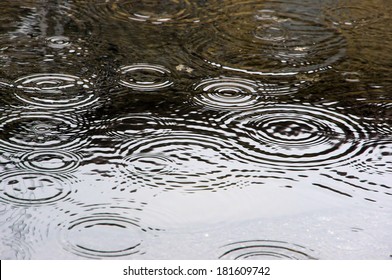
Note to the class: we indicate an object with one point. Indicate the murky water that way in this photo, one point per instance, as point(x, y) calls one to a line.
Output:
point(196, 129)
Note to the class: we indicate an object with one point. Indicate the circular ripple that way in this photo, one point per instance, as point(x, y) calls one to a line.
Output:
point(154, 11)
point(55, 91)
point(33, 188)
point(50, 161)
point(265, 249)
point(297, 136)
point(269, 38)
point(87, 236)
point(58, 42)
point(145, 77)
point(135, 126)
point(227, 93)
point(29, 131)
point(109, 230)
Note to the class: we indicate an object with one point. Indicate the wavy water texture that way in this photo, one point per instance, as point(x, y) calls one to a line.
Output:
point(184, 161)
point(350, 183)
point(376, 158)
point(136, 126)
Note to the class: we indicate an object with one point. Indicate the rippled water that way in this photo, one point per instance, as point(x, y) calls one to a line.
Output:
point(195, 129)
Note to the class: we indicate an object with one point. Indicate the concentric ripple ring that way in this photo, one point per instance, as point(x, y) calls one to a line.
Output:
point(56, 161)
point(265, 249)
point(30, 130)
point(188, 162)
point(55, 91)
point(58, 42)
point(155, 12)
point(226, 93)
point(145, 77)
point(297, 136)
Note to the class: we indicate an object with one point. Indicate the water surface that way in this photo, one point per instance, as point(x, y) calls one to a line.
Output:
point(195, 129)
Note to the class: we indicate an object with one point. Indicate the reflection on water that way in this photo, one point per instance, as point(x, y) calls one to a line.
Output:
point(232, 129)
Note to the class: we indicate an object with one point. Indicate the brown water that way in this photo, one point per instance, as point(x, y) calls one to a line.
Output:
point(196, 129)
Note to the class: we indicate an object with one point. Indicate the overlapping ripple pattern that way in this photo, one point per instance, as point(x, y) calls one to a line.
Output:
point(175, 129)
point(271, 38)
